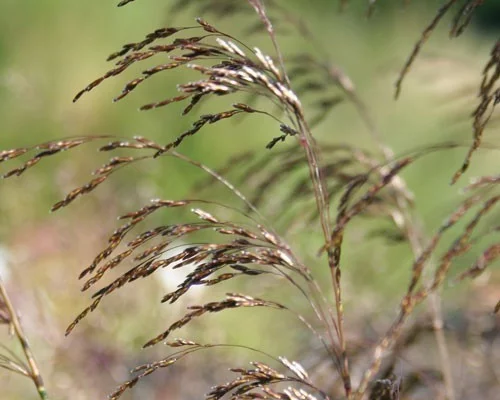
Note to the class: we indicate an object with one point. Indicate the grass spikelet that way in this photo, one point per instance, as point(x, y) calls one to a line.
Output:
point(124, 2)
point(485, 259)
point(257, 383)
point(47, 149)
point(464, 16)
point(148, 369)
point(418, 46)
point(232, 300)
point(489, 95)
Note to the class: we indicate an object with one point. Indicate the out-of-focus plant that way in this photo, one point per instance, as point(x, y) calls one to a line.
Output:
point(8, 359)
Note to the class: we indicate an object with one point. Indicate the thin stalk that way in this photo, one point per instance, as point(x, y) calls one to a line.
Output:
point(259, 7)
point(444, 354)
point(35, 375)
point(415, 239)
point(321, 196)
point(320, 193)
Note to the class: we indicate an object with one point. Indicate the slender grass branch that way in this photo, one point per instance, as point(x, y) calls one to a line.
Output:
point(34, 370)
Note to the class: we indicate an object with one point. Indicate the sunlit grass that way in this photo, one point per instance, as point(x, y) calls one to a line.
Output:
point(50, 50)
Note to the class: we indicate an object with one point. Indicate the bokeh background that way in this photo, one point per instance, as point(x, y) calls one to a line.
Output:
point(50, 50)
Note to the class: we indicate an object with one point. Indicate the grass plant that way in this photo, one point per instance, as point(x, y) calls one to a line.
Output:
point(331, 185)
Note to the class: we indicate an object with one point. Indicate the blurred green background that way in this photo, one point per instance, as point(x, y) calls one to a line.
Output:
point(50, 50)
